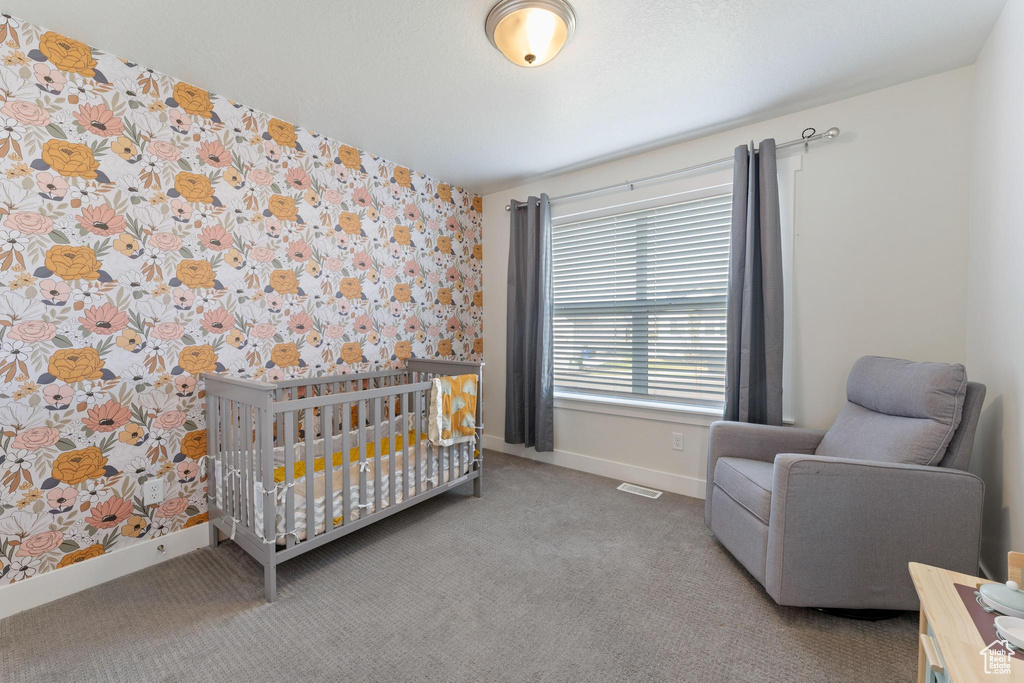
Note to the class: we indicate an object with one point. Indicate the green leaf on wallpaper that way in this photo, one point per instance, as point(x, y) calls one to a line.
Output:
point(61, 342)
point(68, 546)
point(188, 339)
point(58, 237)
point(278, 338)
point(184, 165)
point(189, 425)
point(185, 253)
point(191, 510)
point(56, 131)
point(276, 188)
point(65, 444)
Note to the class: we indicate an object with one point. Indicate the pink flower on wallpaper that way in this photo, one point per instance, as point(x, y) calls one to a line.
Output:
point(452, 274)
point(29, 223)
point(105, 319)
point(33, 331)
point(217, 321)
point(333, 197)
point(261, 177)
point(58, 395)
point(452, 224)
point(184, 385)
point(99, 120)
point(413, 324)
point(39, 544)
point(388, 272)
point(183, 298)
point(389, 212)
point(433, 277)
point(163, 149)
point(28, 113)
point(298, 179)
point(300, 323)
point(52, 185)
point(361, 260)
point(214, 154)
point(36, 437)
point(361, 197)
point(334, 332)
point(262, 254)
point(271, 151)
point(169, 419)
point(264, 330)
point(54, 292)
point(62, 498)
point(172, 507)
point(343, 306)
point(299, 250)
point(110, 513)
point(275, 374)
point(50, 79)
point(389, 332)
point(273, 227)
point(165, 241)
point(101, 220)
point(187, 470)
point(179, 120)
point(274, 302)
point(362, 324)
point(216, 238)
point(453, 325)
point(335, 265)
point(412, 212)
point(108, 417)
point(181, 210)
point(168, 331)
point(411, 268)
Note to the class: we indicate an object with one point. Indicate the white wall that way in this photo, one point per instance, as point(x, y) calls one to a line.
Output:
point(881, 222)
point(995, 320)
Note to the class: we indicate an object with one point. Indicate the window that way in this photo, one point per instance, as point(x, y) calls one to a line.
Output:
point(639, 307)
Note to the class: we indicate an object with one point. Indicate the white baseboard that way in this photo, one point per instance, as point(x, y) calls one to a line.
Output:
point(664, 481)
point(41, 589)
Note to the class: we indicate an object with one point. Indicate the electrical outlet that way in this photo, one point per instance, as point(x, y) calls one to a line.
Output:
point(677, 441)
point(153, 492)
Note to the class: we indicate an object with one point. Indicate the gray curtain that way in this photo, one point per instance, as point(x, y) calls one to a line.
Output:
point(529, 358)
point(753, 369)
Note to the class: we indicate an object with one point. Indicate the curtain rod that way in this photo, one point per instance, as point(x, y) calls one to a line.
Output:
point(827, 135)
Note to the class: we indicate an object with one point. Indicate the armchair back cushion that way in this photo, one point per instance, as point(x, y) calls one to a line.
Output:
point(898, 411)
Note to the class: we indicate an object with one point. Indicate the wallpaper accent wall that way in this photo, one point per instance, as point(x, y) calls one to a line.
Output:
point(152, 231)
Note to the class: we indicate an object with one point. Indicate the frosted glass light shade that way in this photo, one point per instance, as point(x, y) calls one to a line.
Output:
point(530, 32)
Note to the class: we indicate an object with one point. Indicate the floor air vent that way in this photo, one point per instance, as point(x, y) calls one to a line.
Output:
point(639, 490)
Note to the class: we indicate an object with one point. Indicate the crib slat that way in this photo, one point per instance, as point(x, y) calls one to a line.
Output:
point(361, 417)
point(310, 475)
point(212, 456)
point(327, 430)
point(393, 451)
point(289, 476)
point(265, 424)
point(229, 447)
point(378, 455)
point(236, 455)
point(416, 407)
point(279, 432)
point(346, 503)
point(405, 445)
point(247, 507)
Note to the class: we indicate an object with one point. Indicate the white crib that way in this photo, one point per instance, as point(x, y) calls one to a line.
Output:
point(295, 464)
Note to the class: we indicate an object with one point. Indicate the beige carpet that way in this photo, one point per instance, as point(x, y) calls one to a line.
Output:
point(552, 576)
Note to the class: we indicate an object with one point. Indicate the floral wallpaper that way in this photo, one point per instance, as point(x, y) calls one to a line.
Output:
point(151, 231)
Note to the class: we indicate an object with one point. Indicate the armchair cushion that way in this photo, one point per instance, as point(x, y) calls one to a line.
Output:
point(748, 482)
point(897, 411)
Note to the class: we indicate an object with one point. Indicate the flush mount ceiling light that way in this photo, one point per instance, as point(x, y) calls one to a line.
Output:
point(530, 32)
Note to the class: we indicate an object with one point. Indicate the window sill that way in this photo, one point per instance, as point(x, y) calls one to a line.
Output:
point(637, 408)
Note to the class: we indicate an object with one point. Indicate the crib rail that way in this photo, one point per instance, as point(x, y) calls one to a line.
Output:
point(257, 428)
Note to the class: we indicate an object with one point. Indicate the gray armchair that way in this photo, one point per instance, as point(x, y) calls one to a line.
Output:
point(831, 519)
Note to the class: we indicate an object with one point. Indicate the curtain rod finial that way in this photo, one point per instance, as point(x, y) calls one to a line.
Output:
point(832, 132)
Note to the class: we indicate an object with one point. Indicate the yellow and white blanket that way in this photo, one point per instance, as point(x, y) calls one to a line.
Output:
point(451, 416)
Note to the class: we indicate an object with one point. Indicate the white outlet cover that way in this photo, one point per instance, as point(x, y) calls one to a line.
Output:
point(153, 492)
point(677, 441)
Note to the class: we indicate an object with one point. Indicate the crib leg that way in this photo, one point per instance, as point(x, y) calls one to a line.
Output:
point(214, 534)
point(478, 486)
point(270, 581)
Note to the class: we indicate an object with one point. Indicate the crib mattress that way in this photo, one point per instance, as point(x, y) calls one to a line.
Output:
point(433, 471)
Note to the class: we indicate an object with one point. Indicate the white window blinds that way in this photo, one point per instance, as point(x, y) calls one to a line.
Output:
point(640, 302)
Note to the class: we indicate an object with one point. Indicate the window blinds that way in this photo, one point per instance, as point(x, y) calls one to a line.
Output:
point(639, 304)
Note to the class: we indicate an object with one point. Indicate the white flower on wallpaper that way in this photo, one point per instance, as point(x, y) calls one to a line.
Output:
point(151, 232)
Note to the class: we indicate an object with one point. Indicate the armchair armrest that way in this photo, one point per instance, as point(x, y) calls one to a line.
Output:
point(754, 442)
point(842, 531)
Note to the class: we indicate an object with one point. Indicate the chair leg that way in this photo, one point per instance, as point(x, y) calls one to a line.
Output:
point(270, 582)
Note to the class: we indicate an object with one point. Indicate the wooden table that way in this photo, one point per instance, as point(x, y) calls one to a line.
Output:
point(949, 645)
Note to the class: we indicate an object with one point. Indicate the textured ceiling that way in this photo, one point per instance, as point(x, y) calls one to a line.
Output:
point(417, 82)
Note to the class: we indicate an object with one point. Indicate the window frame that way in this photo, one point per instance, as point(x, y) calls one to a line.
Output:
point(696, 186)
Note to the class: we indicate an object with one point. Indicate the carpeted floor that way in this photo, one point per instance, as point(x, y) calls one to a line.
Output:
point(553, 575)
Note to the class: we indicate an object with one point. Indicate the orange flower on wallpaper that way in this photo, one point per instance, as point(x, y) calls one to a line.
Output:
point(284, 281)
point(285, 355)
point(73, 263)
point(69, 159)
point(193, 444)
point(195, 274)
point(74, 467)
point(283, 208)
point(403, 350)
point(352, 352)
point(82, 555)
point(402, 235)
point(193, 100)
point(76, 365)
point(444, 192)
point(196, 360)
point(194, 187)
point(350, 157)
point(282, 132)
point(402, 293)
point(351, 288)
point(67, 54)
point(402, 176)
point(349, 223)
point(444, 347)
